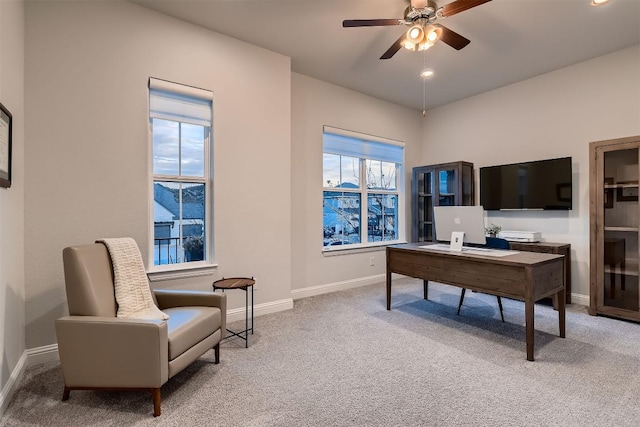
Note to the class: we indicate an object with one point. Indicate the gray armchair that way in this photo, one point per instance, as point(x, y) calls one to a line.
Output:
point(101, 351)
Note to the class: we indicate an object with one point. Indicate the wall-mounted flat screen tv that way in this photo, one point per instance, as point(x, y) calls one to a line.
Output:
point(539, 185)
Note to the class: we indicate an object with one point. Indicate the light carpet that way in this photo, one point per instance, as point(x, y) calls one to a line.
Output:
point(342, 359)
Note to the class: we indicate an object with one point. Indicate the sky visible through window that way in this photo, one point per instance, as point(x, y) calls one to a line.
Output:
point(178, 148)
point(338, 170)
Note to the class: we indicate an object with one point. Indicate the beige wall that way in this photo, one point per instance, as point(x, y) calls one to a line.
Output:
point(12, 288)
point(314, 104)
point(552, 115)
point(87, 66)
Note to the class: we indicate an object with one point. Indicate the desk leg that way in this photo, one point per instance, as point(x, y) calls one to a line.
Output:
point(529, 320)
point(561, 312)
point(425, 285)
point(388, 286)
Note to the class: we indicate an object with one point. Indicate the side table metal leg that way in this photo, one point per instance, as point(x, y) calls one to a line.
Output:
point(252, 304)
point(246, 317)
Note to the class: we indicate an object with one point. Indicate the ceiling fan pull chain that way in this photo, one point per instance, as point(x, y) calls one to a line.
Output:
point(424, 84)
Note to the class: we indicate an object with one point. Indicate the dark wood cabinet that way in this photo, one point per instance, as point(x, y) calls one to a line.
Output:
point(551, 248)
point(614, 167)
point(445, 184)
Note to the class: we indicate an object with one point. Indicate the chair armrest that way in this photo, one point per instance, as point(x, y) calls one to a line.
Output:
point(168, 298)
point(113, 352)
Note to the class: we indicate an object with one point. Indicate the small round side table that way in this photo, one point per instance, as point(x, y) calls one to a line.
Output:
point(243, 283)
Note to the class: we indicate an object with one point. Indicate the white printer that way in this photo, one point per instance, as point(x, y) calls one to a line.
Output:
point(521, 236)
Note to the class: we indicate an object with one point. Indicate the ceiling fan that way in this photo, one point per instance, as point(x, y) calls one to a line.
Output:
point(422, 18)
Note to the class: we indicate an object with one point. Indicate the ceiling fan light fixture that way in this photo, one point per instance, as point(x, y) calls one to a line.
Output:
point(424, 45)
point(408, 45)
point(415, 34)
point(433, 33)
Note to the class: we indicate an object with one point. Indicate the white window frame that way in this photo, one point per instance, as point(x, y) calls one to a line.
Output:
point(208, 262)
point(363, 189)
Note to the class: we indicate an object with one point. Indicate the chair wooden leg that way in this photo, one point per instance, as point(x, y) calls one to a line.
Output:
point(461, 299)
point(216, 351)
point(155, 392)
point(500, 305)
point(65, 393)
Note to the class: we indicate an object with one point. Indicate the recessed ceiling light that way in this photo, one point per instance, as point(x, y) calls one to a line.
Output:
point(599, 2)
point(426, 74)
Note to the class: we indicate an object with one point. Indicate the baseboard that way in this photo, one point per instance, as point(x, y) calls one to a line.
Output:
point(337, 286)
point(580, 299)
point(46, 353)
point(13, 383)
point(237, 314)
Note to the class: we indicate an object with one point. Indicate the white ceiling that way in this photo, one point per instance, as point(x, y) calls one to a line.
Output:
point(511, 40)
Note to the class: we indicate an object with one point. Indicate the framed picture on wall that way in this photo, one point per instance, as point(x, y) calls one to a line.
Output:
point(5, 147)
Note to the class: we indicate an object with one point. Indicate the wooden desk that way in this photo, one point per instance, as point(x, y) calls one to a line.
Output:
point(525, 276)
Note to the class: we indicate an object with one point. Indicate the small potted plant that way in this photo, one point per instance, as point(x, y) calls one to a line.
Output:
point(492, 230)
point(194, 248)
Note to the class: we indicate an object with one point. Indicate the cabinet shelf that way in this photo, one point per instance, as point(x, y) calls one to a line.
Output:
point(620, 272)
point(626, 185)
point(616, 228)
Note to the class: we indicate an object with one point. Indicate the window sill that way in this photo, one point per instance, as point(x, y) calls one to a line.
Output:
point(171, 272)
point(356, 249)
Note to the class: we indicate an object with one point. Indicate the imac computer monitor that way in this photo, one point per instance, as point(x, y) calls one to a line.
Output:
point(466, 219)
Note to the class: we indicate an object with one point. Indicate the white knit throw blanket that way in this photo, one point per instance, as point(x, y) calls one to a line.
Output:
point(133, 293)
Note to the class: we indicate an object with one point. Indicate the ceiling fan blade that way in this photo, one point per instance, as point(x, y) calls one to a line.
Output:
point(370, 22)
point(453, 39)
point(460, 6)
point(395, 47)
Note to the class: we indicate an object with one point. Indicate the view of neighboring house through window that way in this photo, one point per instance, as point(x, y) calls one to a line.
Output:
point(362, 180)
point(180, 118)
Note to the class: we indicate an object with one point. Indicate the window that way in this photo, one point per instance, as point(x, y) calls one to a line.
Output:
point(180, 120)
point(362, 195)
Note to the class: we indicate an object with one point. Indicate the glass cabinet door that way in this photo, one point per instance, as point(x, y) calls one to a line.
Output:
point(619, 246)
point(425, 206)
point(442, 184)
point(447, 187)
point(467, 185)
